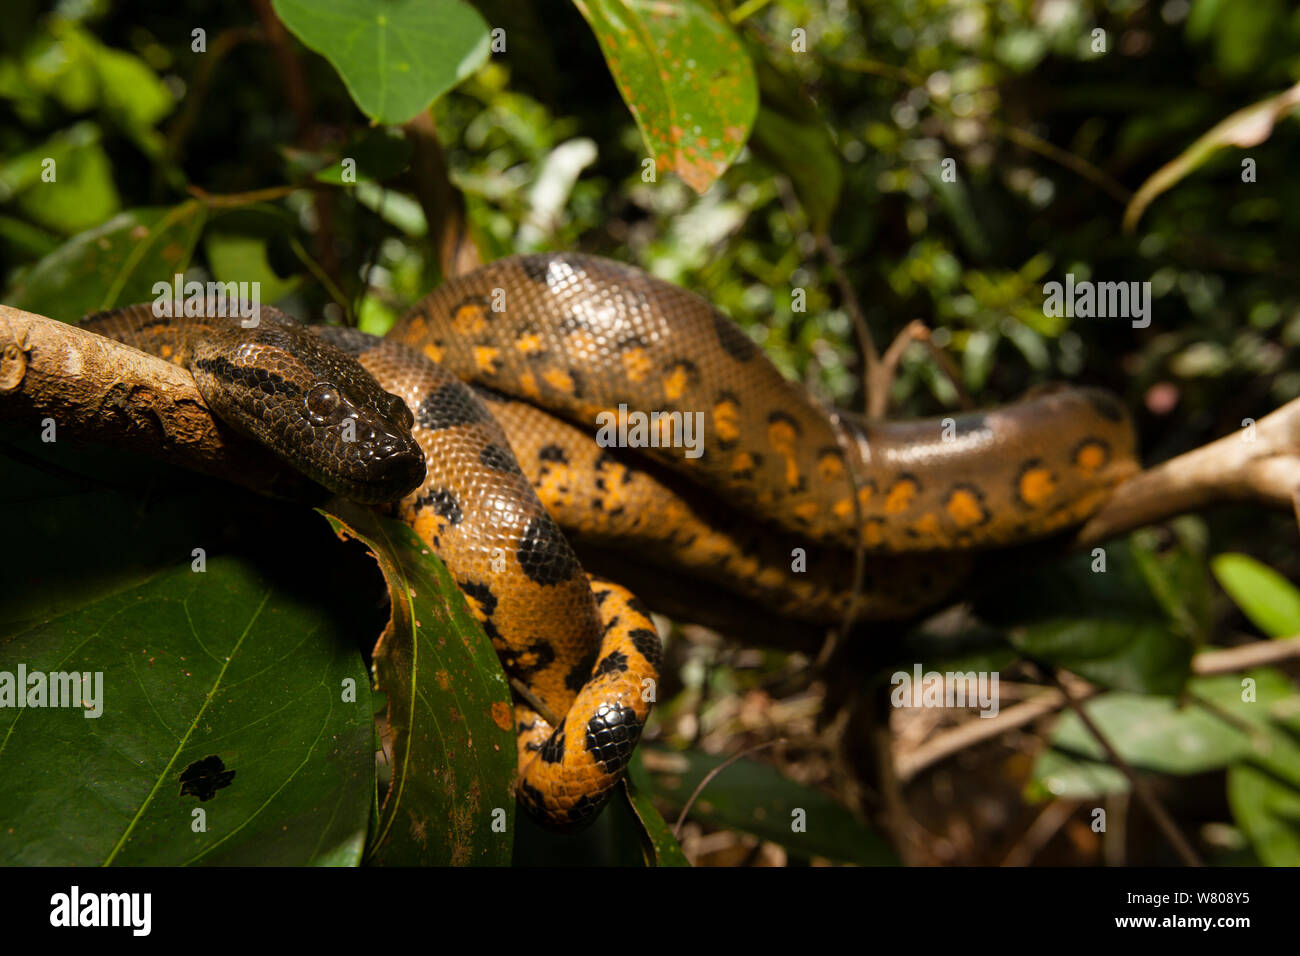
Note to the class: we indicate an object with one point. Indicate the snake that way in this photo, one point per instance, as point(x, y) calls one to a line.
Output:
point(475, 420)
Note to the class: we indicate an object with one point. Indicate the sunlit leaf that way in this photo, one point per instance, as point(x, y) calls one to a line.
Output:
point(1244, 128)
point(396, 57)
point(685, 77)
point(1270, 601)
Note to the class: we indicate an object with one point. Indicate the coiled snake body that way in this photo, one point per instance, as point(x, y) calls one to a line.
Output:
point(581, 336)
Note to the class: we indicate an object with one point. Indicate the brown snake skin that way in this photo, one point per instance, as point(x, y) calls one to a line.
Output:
point(581, 336)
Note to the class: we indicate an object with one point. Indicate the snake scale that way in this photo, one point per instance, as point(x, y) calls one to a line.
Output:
point(492, 470)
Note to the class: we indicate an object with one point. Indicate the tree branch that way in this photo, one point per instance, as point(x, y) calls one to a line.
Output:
point(1262, 466)
point(93, 388)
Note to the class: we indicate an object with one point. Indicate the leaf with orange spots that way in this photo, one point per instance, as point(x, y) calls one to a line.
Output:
point(453, 745)
point(686, 78)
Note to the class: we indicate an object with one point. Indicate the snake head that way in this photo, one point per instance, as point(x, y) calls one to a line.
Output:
point(314, 406)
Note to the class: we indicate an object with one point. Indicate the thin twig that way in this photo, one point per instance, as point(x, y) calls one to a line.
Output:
point(681, 820)
point(1149, 800)
point(849, 299)
point(1054, 816)
point(533, 701)
point(978, 730)
point(1077, 164)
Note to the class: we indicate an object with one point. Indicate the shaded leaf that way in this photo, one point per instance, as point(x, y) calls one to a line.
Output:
point(664, 849)
point(1105, 626)
point(242, 666)
point(1269, 811)
point(1155, 733)
point(395, 58)
point(685, 77)
point(1244, 128)
point(113, 265)
point(449, 711)
point(379, 154)
point(754, 797)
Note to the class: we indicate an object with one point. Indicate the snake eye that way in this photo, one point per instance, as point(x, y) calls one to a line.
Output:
point(399, 412)
point(322, 401)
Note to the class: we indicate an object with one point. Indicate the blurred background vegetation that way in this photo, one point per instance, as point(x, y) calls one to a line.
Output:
point(1051, 138)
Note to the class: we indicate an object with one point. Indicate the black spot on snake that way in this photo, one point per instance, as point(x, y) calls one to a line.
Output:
point(540, 654)
point(647, 642)
point(613, 663)
point(444, 503)
point(639, 606)
point(544, 554)
point(498, 459)
point(553, 453)
point(531, 795)
point(611, 736)
point(736, 343)
point(786, 419)
point(451, 406)
point(487, 602)
point(553, 750)
point(608, 459)
point(583, 810)
point(1107, 406)
point(489, 394)
point(577, 678)
point(535, 267)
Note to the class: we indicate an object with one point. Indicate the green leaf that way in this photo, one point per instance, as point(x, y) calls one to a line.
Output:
point(237, 256)
point(1269, 811)
point(395, 58)
point(754, 797)
point(1244, 128)
point(663, 846)
point(114, 264)
point(1105, 626)
point(379, 154)
point(1270, 601)
point(1156, 733)
point(1070, 777)
point(790, 135)
point(449, 711)
point(685, 77)
point(244, 667)
point(82, 193)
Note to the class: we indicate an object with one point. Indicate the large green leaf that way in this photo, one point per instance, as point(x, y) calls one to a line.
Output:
point(685, 77)
point(663, 848)
point(395, 57)
point(82, 193)
point(754, 797)
point(1270, 601)
point(1106, 626)
point(248, 667)
point(115, 264)
point(1159, 734)
point(450, 801)
point(1269, 811)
